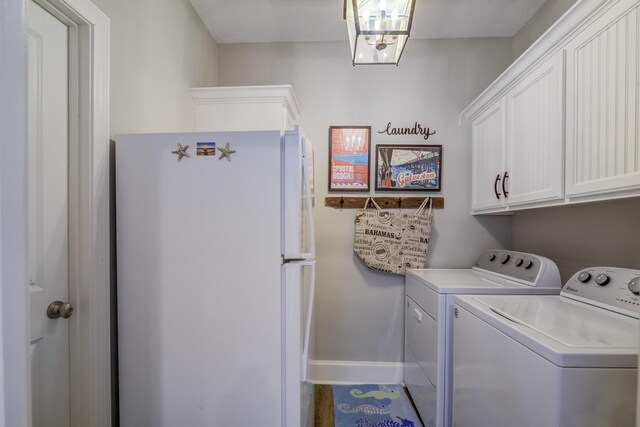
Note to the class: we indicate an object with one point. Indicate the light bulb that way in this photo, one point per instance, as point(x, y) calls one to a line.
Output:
point(365, 18)
point(394, 15)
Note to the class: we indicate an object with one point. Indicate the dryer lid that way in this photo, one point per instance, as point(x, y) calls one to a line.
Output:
point(471, 281)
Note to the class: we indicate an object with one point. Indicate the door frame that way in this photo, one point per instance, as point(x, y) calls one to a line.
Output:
point(89, 231)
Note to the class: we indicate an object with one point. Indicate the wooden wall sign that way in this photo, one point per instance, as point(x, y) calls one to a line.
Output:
point(416, 129)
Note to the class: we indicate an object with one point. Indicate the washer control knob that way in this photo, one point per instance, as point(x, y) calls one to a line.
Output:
point(634, 285)
point(492, 257)
point(528, 264)
point(519, 261)
point(505, 258)
point(602, 279)
point(584, 277)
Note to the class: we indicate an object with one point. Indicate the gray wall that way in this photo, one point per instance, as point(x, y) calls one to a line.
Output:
point(546, 16)
point(359, 311)
point(159, 49)
point(590, 234)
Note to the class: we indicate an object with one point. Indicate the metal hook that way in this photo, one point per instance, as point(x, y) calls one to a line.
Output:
point(341, 203)
point(400, 203)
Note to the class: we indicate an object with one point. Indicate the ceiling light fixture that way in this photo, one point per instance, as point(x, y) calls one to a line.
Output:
point(378, 29)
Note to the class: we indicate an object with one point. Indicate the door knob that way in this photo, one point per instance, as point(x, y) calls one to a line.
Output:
point(59, 309)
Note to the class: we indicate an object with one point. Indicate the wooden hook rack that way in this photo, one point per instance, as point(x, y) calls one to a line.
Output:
point(349, 202)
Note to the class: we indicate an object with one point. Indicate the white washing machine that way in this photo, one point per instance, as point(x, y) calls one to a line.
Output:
point(429, 318)
point(549, 361)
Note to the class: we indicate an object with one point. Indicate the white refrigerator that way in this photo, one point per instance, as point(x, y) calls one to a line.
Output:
point(215, 278)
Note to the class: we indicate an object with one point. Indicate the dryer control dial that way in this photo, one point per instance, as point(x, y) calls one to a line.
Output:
point(602, 279)
point(527, 268)
point(584, 277)
point(634, 285)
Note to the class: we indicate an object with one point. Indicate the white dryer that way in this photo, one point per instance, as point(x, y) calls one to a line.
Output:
point(549, 361)
point(429, 315)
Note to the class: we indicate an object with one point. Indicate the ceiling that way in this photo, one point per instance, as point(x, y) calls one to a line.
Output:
point(248, 21)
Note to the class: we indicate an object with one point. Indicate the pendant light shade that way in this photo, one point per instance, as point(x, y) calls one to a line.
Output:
point(378, 29)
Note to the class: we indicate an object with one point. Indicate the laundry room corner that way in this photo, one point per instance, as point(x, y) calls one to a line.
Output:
point(359, 312)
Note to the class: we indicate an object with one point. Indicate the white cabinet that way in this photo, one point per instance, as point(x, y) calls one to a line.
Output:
point(235, 108)
point(517, 142)
point(603, 146)
point(534, 161)
point(488, 141)
point(561, 124)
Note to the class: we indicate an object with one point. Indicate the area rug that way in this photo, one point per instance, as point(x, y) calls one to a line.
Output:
point(372, 405)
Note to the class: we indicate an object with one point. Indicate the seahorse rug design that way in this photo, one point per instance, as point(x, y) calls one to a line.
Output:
point(373, 405)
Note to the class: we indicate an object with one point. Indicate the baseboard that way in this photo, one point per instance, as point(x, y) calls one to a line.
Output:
point(343, 372)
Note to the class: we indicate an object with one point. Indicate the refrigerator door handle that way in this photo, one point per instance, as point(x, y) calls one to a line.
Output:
point(307, 194)
point(307, 326)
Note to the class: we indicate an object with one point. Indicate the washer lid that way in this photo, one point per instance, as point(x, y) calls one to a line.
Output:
point(565, 332)
point(471, 281)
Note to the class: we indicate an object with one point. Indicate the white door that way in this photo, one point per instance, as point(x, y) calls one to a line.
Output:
point(47, 207)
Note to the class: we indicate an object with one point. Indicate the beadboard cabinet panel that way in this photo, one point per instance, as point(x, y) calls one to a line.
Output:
point(489, 138)
point(569, 106)
point(603, 146)
point(535, 147)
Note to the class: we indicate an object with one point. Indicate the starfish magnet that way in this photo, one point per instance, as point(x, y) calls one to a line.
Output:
point(181, 151)
point(226, 152)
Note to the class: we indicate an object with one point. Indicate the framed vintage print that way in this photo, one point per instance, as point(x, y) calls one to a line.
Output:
point(349, 156)
point(408, 167)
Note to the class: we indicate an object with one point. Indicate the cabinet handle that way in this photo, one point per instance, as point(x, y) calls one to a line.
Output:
point(504, 185)
point(495, 186)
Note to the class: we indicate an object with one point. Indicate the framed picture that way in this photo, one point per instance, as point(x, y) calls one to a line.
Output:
point(408, 167)
point(349, 155)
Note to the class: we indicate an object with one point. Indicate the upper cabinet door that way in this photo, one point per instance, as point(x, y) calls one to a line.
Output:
point(489, 137)
point(535, 147)
point(603, 148)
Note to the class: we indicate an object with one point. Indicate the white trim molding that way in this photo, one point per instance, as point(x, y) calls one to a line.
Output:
point(90, 346)
point(345, 372)
point(89, 204)
point(14, 355)
point(228, 108)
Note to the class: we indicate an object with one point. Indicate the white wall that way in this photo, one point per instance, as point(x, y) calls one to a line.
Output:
point(159, 49)
point(359, 311)
point(546, 16)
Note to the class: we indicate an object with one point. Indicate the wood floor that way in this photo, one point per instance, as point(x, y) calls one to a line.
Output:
point(323, 406)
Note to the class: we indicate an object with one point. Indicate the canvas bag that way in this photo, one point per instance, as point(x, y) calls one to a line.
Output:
point(392, 241)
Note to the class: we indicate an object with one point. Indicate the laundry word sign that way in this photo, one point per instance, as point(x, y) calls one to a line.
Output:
point(416, 129)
